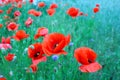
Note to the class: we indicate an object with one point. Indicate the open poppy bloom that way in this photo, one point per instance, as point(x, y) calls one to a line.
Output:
point(54, 43)
point(41, 4)
point(41, 32)
point(9, 57)
point(2, 78)
point(36, 53)
point(12, 26)
point(87, 57)
point(28, 22)
point(51, 12)
point(73, 12)
point(96, 9)
point(20, 34)
point(53, 6)
point(34, 12)
point(17, 13)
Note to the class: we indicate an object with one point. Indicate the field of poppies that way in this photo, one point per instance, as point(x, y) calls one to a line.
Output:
point(59, 40)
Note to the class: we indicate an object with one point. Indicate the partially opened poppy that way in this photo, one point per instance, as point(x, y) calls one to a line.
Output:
point(41, 4)
point(51, 12)
point(53, 6)
point(34, 68)
point(28, 22)
point(36, 53)
point(73, 12)
point(12, 26)
point(96, 9)
point(87, 57)
point(54, 43)
point(9, 57)
point(17, 13)
point(20, 35)
point(41, 32)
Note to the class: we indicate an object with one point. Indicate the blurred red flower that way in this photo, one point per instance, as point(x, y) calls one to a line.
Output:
point(34, 68)
point(17, 13)
point(34, 12)
point(1, 25)
point(73, 12)
point(3, 78)
point(6, 40)
point(1, 11)
point(42, 31)
point(54, 43)
point(28, 22)
point(87, 57)
point(31, 1)
point(51, 12)
point(41, 4)
point(9, 57)
point(20, 34)
point(96, 9)
point(53, 6)
point(12, 26)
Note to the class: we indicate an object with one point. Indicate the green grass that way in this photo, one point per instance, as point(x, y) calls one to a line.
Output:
point(100, 33)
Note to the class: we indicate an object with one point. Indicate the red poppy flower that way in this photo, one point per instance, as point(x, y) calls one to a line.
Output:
point(36, 53)
point(87, 57)
point(54, 43)
point(28, 22)
point(20, 34)
point(34, 68)
point(6, 40)
point(53, 6)
point(81, 13)
point(73, 12)
point(31, 1)
point(1, 11)
point(96, 9)
point(3, 78)
point(97, 5)
point(1, 25)
point(12, 26)
point(17, 13)
point(34, 12)
point(41, 4)
point(51, 12)
point(41, 32)
point(19, 5)
point(9, 57)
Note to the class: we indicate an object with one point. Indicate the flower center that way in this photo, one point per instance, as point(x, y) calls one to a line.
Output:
point(89, 61)
point(37, 54)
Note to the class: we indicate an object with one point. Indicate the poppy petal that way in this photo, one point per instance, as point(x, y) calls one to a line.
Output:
point(93, 67)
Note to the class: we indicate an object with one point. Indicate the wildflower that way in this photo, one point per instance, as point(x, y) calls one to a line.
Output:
point(41, 32)
point(73, 12)
point(17, 13)
point(55, 57)
point(41, 4)
point(20, 34)
point(87, 57)
point(28, 22)
point(36, 53)
point(12, 26)
point(53, 6)
point(9, 57)
point(54, 43)
point(51, 12)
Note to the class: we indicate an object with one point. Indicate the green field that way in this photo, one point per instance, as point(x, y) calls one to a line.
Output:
point(100, 32)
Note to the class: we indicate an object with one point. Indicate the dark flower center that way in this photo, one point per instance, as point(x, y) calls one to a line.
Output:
point(89, 61)
point(37, 54)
